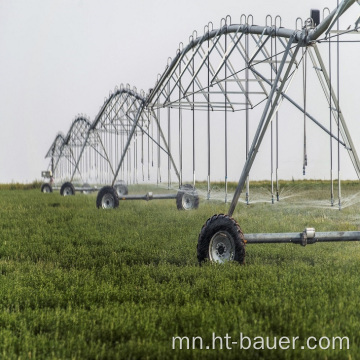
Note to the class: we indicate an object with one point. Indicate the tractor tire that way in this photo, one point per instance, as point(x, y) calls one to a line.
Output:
point(107, 198)
point(187, 198)
point(46, 188)
point(221, 240)
point(121, 189)
point(67, 189)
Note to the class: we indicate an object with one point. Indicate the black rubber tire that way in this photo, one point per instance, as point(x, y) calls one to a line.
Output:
point(67, 189)
point(121, 189)
point(219, 225)
point(187, 198)
point(110, 193)
point(46, 188)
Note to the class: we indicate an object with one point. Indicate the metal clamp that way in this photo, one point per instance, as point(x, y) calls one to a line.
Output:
point(308, 233)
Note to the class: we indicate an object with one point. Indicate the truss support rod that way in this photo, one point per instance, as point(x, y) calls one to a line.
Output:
point(166, 146)
point(193, 133)
point(247, 196)
point(106, 157)
point(80, 155)
point(72, 156)
point(277, 128)
point(149, 136)
point(226, 56)
point(339, 116)
point(158, 172)
point(169, 143)
point(329, 21)
point(265, 119)
point(131, 134)
point(226, 132)
point(52, 165)
point(58, 160)
point(208, 133)
point(180, 135)
point(338, 99)
point(301, 109)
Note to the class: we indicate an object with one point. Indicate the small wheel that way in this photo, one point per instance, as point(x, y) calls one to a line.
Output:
point(46, 188)
point(121, 189)
point(107, 198)
point(86, 185)
point(187, 187)
point(187, 198)
point(221, 240)
point(121, 182)
point(67, 189)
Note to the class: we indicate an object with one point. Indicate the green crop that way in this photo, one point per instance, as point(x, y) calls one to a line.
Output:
point(81, 283)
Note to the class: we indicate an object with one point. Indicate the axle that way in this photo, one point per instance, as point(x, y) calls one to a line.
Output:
point(148, 196)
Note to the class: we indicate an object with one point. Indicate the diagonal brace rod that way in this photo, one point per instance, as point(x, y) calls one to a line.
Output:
point(131, 134)
point(264, 121)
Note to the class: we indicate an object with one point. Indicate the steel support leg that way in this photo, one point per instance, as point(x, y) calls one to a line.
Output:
point(80, 155)
point(131, 134)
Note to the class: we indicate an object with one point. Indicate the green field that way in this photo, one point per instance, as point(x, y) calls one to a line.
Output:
point(81, 283)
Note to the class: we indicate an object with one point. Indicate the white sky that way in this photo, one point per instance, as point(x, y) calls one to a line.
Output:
point(60, 58)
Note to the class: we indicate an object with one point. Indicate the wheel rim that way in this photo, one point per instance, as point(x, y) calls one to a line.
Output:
point(120, 190)
point(222, 247)
point(188, 201)
point(46, 189)
point(67, 191)
point(108, 201)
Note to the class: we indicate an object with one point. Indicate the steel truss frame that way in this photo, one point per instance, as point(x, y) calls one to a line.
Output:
point(230, 69)
point(106, 136)
point(64, 149)
point(234, 62)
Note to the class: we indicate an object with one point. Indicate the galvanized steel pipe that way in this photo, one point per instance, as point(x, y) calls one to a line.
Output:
point(302, 238)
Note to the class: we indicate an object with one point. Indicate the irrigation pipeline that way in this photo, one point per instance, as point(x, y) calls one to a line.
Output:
point(307, 237)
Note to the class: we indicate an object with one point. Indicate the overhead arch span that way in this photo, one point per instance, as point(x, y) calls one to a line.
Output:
point(56, 146)
point(78, 130)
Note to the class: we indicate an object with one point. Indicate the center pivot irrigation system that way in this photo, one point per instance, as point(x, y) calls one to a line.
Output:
point(218, 78)
point(98, 151)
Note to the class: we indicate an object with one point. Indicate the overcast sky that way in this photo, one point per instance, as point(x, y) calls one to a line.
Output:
point(60, 58)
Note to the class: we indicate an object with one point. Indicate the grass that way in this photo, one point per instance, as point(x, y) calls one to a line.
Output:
point(81, 283)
